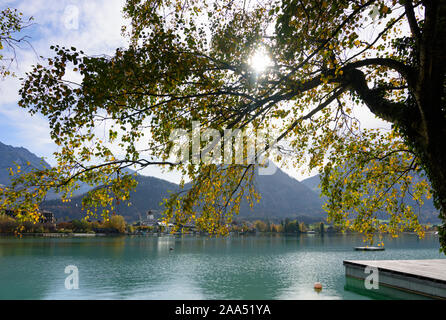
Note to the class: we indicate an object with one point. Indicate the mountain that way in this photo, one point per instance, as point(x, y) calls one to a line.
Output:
point(148, 195)
point(282, 196)
point(10, 156)
point(313, 183)
point(20, 156)
point(426, 214)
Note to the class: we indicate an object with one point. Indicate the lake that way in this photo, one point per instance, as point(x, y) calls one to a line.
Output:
point(239, 267)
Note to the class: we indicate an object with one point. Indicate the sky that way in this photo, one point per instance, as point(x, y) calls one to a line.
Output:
point(93, 26)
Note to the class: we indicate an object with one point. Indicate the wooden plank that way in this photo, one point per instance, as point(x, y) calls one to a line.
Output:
point(425, 277)
point(434, 269)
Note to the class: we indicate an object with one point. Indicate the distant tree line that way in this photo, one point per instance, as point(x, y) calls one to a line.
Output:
point(116, 224)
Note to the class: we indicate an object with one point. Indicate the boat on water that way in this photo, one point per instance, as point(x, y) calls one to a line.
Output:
point(369, 248)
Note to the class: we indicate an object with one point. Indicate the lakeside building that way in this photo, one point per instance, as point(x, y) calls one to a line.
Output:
point(160, 226)
point(149, 220)
point(45, 215)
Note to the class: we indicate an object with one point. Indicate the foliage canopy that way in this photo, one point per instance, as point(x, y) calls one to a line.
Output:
point(189, 61)
point(11, 23)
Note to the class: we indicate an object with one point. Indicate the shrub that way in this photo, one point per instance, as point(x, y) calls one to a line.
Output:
point(261, 226)
point(81, 226)
point(7, 224)
point(64, 226)
point(116, 222)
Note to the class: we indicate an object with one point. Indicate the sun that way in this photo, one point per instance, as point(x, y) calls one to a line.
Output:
point(260, 61)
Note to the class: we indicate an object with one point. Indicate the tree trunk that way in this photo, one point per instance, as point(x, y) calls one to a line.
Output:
point(430, 96)
point(435, 166)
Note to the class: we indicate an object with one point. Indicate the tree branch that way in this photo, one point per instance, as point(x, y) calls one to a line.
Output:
point(410, 14)
point(373, 98)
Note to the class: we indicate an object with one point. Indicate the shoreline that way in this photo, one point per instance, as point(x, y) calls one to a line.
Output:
point(92, 235)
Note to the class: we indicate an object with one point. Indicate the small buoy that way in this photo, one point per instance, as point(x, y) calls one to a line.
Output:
point(318, 286)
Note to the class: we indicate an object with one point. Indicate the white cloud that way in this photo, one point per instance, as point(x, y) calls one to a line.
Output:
point(26, 131)
point(99, 32)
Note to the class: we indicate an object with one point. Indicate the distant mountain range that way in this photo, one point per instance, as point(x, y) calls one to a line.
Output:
point(282, 195)
point(149, 193)
point(11, 156)
point(427, 213)
point(313, 183)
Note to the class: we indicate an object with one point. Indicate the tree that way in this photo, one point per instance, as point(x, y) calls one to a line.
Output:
point(291, 226)
point(11, 23)
point(322, 228)
point(190, 62)
point(261, 226)
point(303, 227)
point(116, 222)
point(268, 226)
point(81, 226)
point(296, 227)
point(286, 225)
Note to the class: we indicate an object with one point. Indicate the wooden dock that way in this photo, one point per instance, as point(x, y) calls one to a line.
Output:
point(424, 277)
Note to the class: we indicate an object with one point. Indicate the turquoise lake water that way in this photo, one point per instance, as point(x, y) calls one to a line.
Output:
point(242, 267)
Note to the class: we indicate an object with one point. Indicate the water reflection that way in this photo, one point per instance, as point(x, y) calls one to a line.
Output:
point(382, 293)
